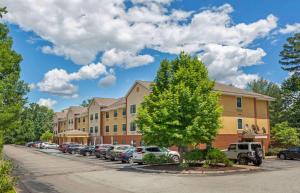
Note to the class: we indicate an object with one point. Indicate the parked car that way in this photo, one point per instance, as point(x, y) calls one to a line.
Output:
point(117, 150)
point(88, 150)
point(100, 150)
point(290, 153)
point(245, 152)
point(126, 156)
point(157, 151)
point(47, 145)
point(63, 147)
point(74, 148)
point(37, 144)
point(29, 144)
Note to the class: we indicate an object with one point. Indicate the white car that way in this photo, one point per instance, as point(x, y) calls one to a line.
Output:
point(157, 151)
point(47, 145)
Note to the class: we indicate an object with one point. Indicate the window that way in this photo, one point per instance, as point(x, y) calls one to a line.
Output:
point(137, 89)
point(115, 113)
point(72, 121)
point(240, 123)
point(96, 116)
point(91, 129)
point(243, 146)
point(239, 102)
point(107, 128)
point(124, 127)
point(232, 147)
point(96, 129)
point(255, 146)
point(115, 128)
point(115, 142)
point(132, 109)
point(83, 119)
point(83, 129)
point(132, 126)
point(78, 120)
point(124, 112)
point(107, 115)
point(91, 117)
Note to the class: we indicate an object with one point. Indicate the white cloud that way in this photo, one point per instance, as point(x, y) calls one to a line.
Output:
point(225, 62)
point(125, 59)
point(108, 81)
point(81, 30)
point(59, 82)
point(290, 28)
point(47, 102)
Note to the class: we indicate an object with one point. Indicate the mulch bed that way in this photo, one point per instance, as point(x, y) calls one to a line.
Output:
point(175, 167)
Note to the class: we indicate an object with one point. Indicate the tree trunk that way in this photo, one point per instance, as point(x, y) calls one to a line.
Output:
point(181, 150)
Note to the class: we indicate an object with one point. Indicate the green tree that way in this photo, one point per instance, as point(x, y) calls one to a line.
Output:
point(265, 87)
point(284, 135)
point(47, 136)
point(12, 89)
point(35, 120)
point(290, 55)
point(86, 103)
point(291, 100)
point(182, 108)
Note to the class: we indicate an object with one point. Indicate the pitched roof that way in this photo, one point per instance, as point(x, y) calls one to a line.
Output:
point(78, 109)
point(223, 88)
point(232, 90)
point(103, 102)
point(119, 103)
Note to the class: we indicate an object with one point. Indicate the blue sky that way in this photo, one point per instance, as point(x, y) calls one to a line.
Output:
point(238, 41)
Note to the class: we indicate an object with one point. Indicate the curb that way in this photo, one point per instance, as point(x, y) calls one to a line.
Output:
point(141, 168)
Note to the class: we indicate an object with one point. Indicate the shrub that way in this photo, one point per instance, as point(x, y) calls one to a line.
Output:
point(195, 155)
point(215, 157)
point(6, 182)
point(150, 158)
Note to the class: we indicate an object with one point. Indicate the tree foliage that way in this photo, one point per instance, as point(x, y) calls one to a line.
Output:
point(284, 135)
point(268, 88)
point(35, 120)
point(182, 108)
point(290, 55)
point(86, 103)
point(12, 89)
point(47, 136)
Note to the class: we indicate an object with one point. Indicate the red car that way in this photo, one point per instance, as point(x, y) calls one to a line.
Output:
point(63, 148)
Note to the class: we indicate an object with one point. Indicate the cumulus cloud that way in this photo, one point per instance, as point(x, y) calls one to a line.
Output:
point(290, 28)
point(47, 102)
point(81, 30)
point(59, 82)
point(108, 81)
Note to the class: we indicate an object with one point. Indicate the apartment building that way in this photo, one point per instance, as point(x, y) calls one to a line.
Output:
point(245, 117)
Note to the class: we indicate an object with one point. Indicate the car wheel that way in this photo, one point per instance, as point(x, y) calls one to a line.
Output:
point(282, 156)
point(123, 161)
point(85, 154)
point(97, 156)
point(130, 160)
point(175, 158)
point(257, 162)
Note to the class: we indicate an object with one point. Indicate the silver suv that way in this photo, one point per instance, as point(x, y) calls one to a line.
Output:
point(245, 152)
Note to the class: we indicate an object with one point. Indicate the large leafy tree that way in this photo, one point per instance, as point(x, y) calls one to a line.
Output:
point(12, 89)
point(290, 55)
point(283, 135)
point(182, 108)
point(268, 88)
point(36, 120)
point(86, 103)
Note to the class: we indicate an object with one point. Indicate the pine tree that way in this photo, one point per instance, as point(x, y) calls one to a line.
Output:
point(290, 55)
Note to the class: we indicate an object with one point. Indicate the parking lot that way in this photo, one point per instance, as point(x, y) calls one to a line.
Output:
point(52, 171)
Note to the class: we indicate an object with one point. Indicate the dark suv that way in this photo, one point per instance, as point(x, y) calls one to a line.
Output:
point(74, 148)
point(291, 153)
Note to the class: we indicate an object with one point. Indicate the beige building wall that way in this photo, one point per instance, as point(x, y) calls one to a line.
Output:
point(94, 122)
point(135, 97)
point(70, 120)
point(82, 122)
point(231, 114)
point(120, 120)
